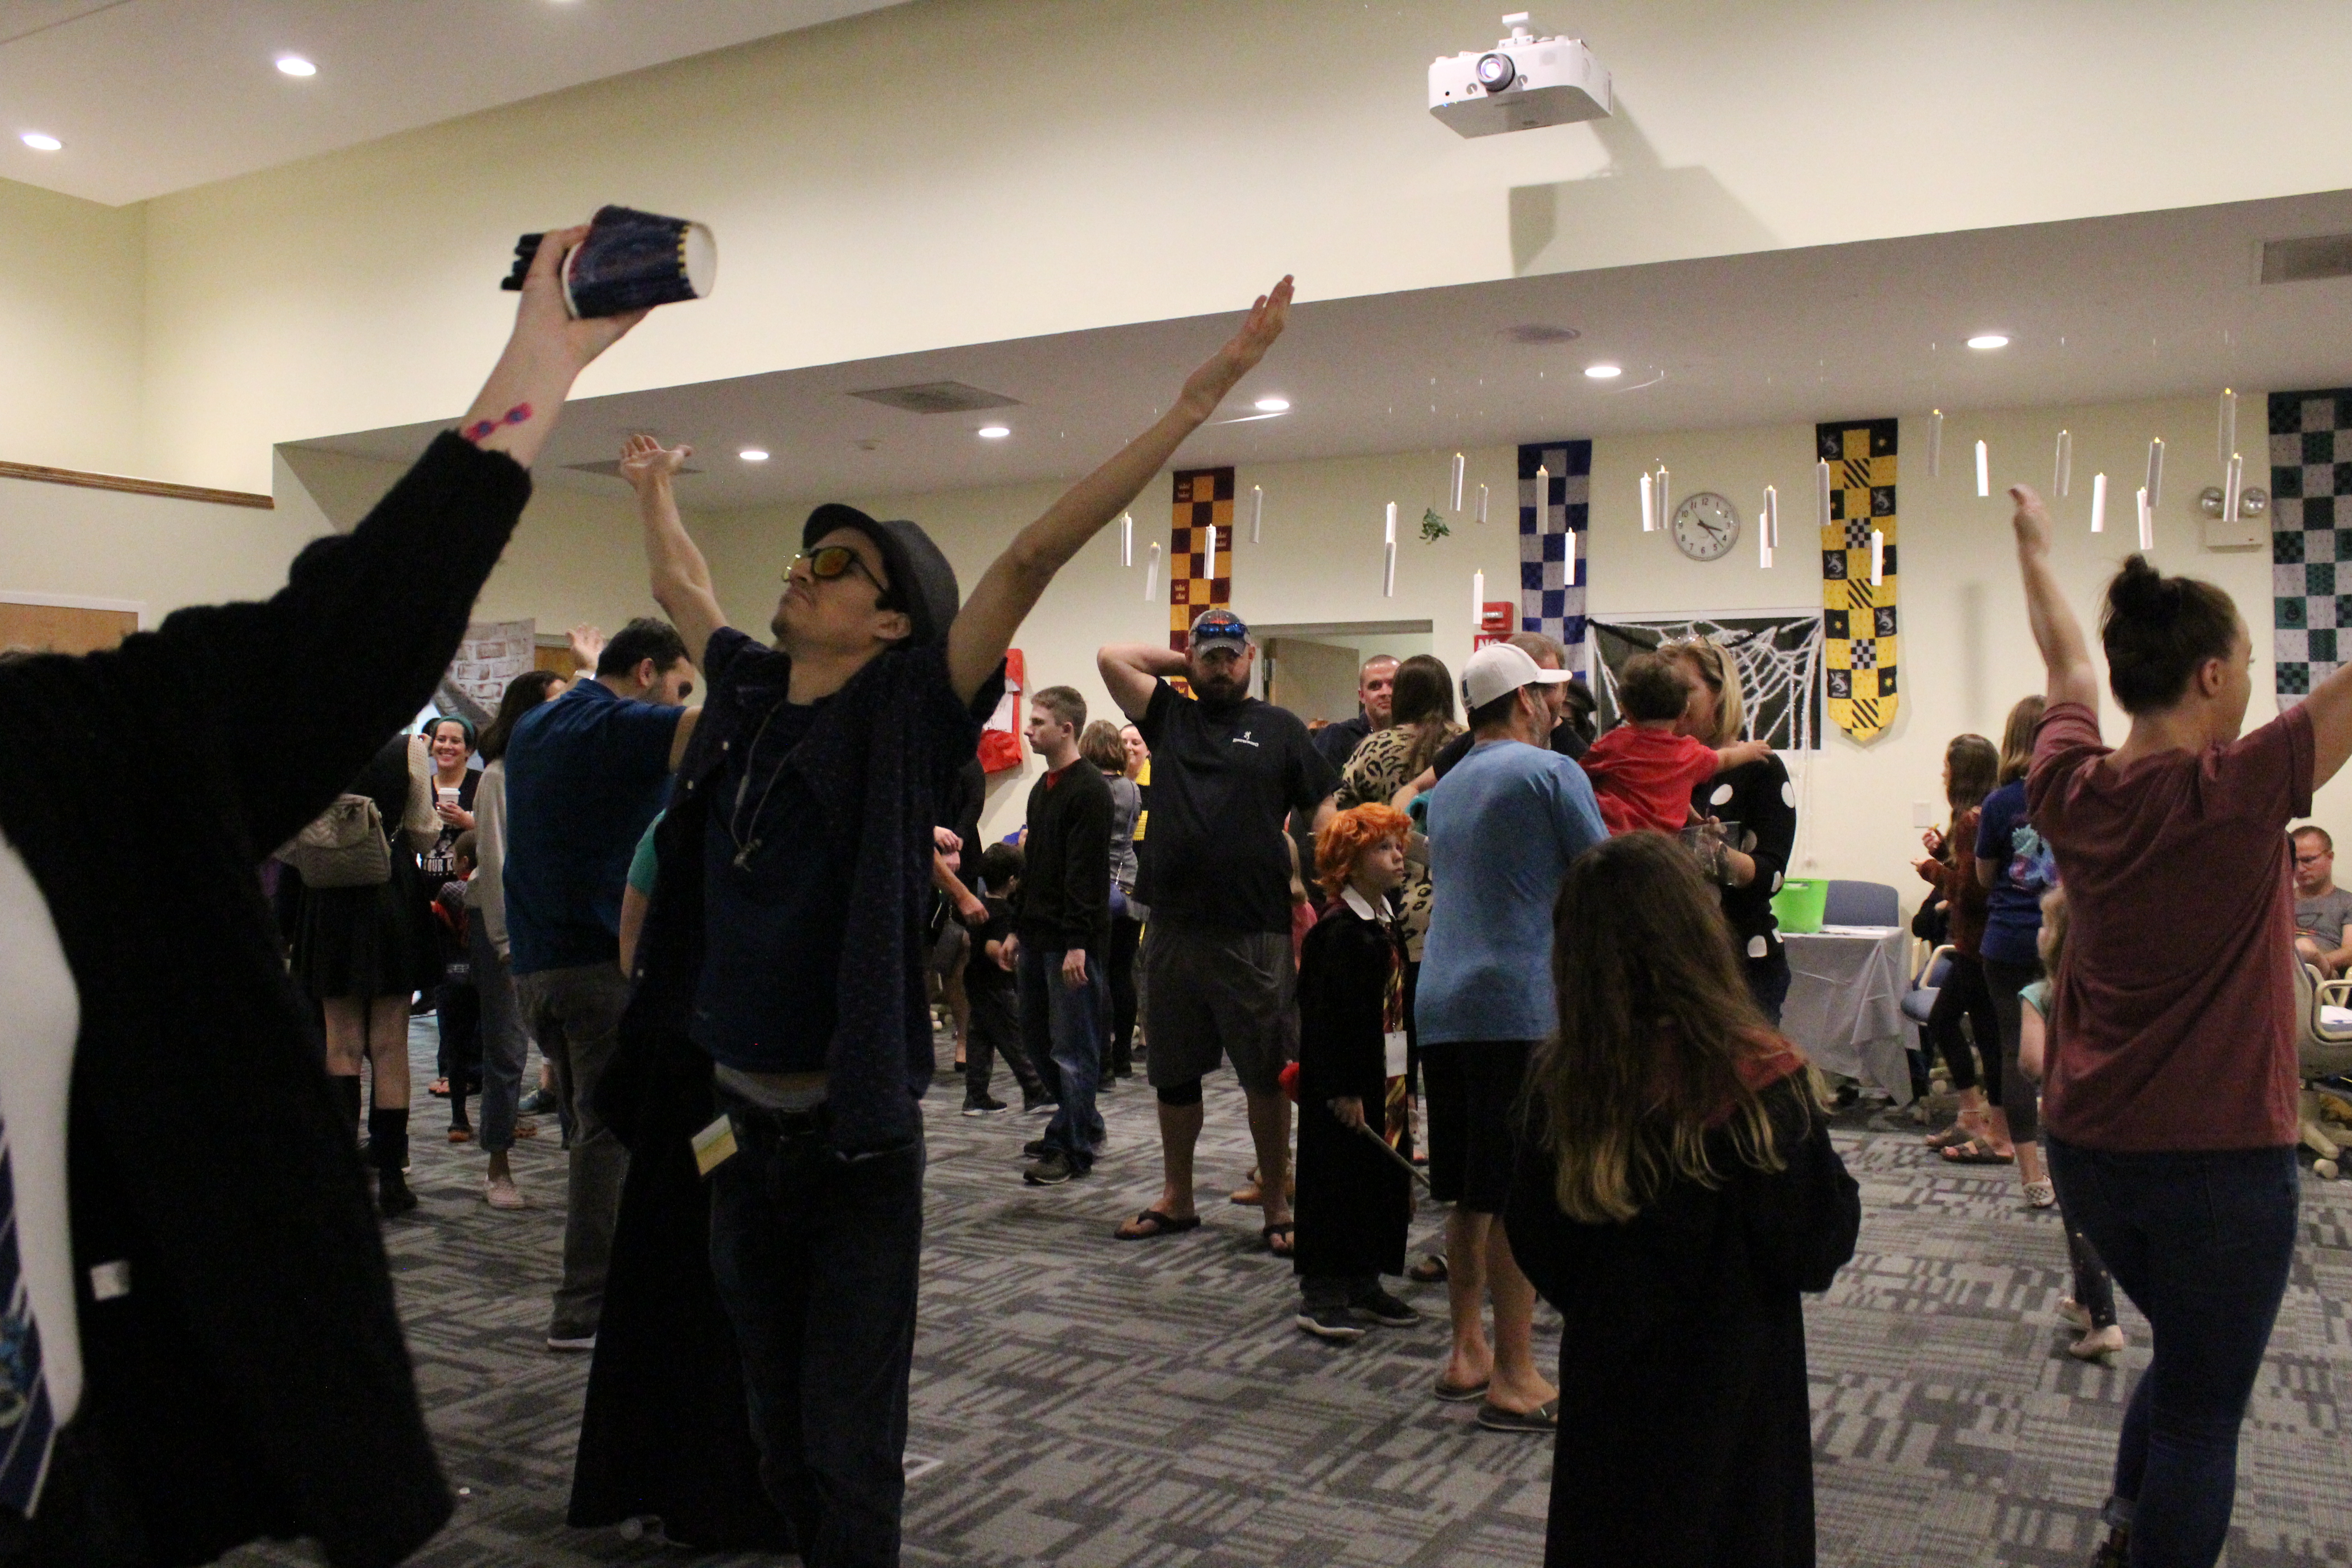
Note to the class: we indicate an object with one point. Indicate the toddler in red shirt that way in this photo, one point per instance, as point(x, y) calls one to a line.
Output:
point(1642, 773)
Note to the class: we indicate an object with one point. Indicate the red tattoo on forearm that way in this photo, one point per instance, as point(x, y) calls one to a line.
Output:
point(482, 428)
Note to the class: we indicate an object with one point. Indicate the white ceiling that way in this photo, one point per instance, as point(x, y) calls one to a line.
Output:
point(2098, 309)
point(155, 96)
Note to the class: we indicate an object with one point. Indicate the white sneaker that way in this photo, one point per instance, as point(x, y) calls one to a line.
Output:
point(501, 1193)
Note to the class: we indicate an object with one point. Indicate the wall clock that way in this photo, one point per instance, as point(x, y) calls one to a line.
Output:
point(1706, 526)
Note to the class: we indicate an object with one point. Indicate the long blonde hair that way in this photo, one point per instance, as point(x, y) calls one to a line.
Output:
point(1655, 1018)
point(2017, 737)
point(1708, 663)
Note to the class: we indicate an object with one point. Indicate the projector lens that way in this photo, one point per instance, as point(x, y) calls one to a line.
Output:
point(1496, 73)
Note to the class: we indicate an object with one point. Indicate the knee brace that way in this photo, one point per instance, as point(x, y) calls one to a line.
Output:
point(1180, 1093)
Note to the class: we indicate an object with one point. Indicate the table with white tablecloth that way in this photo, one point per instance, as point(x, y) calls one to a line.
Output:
point(1845, 1003)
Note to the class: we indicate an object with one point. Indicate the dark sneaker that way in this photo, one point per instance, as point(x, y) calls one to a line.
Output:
point(1377, 1306)
point(1331, 1323)
point(1052, 1168)
point(986, 1105)
point(1035, 1149)
point(1033, 1106)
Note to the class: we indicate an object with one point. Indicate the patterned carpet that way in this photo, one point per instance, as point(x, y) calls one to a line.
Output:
point(1100, 1404)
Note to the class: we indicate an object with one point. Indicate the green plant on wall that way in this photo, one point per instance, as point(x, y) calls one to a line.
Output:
point(1432, 527)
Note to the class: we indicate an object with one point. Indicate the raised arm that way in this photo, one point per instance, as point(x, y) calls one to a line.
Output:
point(681, 576)
point(1011, 585)
point(400, 586)
point(1132, 669)
point(2064, 653)
point(2330, 707)
point(514, 411)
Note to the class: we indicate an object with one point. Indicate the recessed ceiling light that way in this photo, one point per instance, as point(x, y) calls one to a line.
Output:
point(1989, 341)
point(295, 65)
point(1273, 406)
point(753, 455)
point(1604, 372)
point(41, 141)
point(993, 432)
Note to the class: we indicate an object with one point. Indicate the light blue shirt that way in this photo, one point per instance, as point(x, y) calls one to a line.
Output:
point(1503, 827)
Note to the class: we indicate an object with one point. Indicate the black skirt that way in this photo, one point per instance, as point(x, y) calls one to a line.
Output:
point(366, 942)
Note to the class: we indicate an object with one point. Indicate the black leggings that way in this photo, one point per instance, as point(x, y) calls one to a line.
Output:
point(2021, 1101)
point(1126, 937)
point(1965, 995)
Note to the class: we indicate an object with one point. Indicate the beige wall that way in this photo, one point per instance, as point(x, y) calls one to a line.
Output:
point(970, 170)
point(61, 540)
point(576, 556)
point(70, 318)
point(1967, 653)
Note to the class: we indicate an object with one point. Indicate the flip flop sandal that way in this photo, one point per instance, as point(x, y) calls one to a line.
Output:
point(1543, 1418)
point(1430, 1270)
point(1977, 1151)
point(1957, 1133)
point(1154, 1224)
point(1285, 1228)
point(1459, 1393)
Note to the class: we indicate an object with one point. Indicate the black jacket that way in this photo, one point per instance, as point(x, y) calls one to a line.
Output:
point(1066, 863)
point(1354, 1202)
point(1685, 1436)
point(253, 1382)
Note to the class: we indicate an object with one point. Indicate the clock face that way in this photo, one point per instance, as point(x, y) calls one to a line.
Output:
point(1706, 526)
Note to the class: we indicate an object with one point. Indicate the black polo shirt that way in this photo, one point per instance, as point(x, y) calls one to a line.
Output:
point(1223, 777)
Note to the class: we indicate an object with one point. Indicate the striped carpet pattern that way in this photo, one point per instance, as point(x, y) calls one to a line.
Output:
point(1105, 1404)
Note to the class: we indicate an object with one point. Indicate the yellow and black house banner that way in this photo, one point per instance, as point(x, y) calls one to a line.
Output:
point(1859, 626)
point(1204, 500)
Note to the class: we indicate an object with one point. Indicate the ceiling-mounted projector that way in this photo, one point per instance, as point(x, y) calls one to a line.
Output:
point(1522, 82)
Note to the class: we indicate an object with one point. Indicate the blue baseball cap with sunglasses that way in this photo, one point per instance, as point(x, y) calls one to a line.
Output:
point(920, 581)
point(1218, 628)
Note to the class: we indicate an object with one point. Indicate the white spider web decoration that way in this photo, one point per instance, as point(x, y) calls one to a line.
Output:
point(1777, 654)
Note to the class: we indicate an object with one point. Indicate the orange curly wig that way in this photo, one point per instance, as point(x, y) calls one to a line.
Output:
point(1345, 838)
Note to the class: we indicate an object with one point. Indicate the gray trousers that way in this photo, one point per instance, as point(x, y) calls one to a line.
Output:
point(505, 1047)
point(575, 1016)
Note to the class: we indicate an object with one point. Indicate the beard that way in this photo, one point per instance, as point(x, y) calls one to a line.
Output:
point(1219, 688)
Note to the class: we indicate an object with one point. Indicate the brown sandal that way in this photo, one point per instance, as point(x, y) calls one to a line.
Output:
point(1970, 1124)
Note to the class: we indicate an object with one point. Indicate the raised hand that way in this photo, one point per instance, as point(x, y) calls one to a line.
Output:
point(587, 643)
point(2031, 520)
point(514, 411)
point(542, 318)
point(646, 462)
point(1207, 386)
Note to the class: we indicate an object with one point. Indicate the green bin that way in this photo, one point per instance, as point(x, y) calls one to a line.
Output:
point(1798, 905)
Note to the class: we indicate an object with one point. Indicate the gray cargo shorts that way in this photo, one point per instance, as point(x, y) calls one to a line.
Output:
point(1213, 994)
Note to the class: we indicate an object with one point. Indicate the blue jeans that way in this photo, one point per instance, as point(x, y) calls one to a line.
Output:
point(2201, 1242)
point(817, 1254)
point(1067, 1024)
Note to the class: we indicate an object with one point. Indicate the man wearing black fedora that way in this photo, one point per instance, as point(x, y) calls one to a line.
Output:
point(779, 1039)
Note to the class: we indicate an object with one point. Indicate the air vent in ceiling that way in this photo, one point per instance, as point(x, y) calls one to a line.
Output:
point(2301, 261)
point(611, 467)
point(938, 398)
point(1541, 332)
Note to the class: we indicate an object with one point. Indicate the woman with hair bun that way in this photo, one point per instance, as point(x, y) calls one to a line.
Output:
point(2170, 1097)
